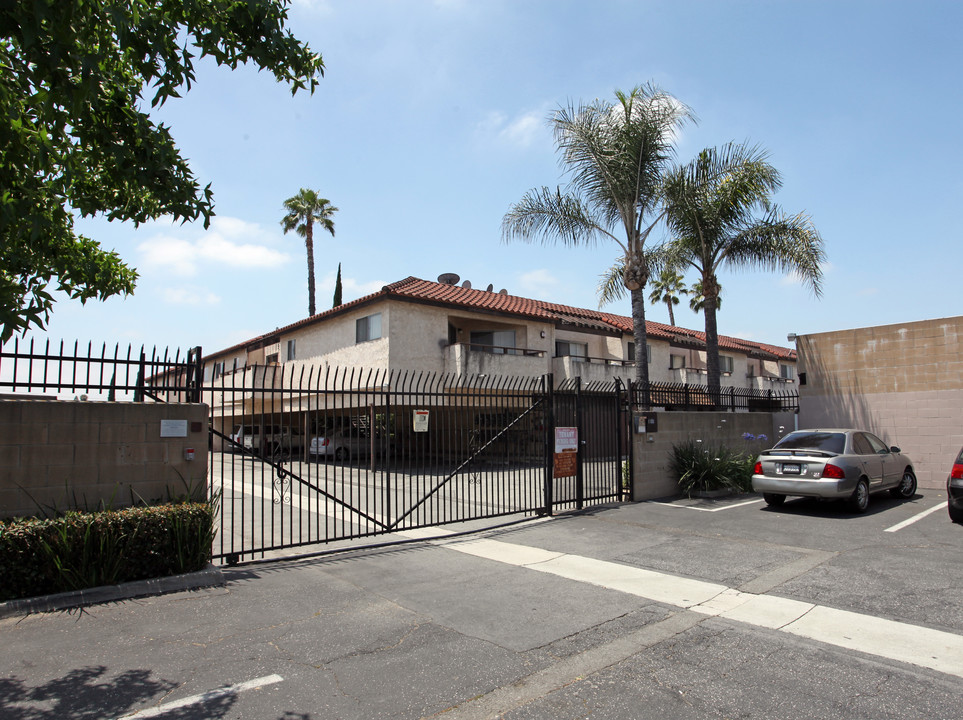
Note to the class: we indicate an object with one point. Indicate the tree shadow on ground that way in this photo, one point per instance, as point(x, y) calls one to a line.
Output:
point(86, 694)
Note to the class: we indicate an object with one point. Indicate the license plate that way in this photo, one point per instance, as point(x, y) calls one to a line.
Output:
point(791, 469)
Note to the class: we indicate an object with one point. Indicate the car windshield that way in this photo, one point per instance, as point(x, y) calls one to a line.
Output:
point(825, 441)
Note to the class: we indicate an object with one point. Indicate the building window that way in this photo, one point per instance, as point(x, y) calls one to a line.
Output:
point(725, 364)
point(498, 342)
point(272, 359)
point(218, 370)
point(290, 350)
point(368, 328)
point(578, 351)
point(648, 352)
point(787, 372)
point(676, 362)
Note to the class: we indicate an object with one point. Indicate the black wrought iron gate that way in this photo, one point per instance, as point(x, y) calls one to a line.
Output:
point(327, 455)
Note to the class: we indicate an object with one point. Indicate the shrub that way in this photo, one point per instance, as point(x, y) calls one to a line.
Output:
point(697, 467)
point(79, 550)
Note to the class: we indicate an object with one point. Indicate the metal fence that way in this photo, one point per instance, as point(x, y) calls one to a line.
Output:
point(677, 396)
point(99, 373)
point(302, 455)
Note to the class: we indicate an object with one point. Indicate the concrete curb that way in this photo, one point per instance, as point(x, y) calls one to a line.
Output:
point(209, 577)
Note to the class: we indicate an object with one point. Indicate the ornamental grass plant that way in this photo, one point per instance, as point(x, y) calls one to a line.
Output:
point(698, 467)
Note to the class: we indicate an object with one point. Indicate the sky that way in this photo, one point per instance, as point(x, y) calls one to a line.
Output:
point(433, 118)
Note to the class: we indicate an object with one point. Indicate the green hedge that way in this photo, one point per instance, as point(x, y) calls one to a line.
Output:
point(80, 550)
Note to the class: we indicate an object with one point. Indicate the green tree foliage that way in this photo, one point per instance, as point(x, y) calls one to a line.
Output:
point(615, 154)
point(337, 289)
point(720, 213)
point(75, 136)
point(305, 209)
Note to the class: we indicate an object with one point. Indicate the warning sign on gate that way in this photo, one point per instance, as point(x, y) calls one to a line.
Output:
point(566, 452)
point(420, 421)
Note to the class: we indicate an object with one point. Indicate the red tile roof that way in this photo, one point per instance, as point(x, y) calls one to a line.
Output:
point(418, 290)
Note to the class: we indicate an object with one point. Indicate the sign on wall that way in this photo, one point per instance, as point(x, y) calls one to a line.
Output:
point(566, 452)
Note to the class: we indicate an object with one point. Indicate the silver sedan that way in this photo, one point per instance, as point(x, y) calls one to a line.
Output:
point(834, 463)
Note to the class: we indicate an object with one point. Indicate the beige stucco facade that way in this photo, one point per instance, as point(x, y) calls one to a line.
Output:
point(904, 382)
point(428, 337)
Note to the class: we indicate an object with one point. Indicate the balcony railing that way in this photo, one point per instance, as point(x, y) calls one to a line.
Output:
point(502, 350)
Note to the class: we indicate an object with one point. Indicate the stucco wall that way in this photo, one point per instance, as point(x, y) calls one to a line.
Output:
point(652, 451)
point(903, 382)
point(79, 455)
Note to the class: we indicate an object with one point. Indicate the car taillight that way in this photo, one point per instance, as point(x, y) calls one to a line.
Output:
point(834, 472)
point(957, 472)
point(757, 469)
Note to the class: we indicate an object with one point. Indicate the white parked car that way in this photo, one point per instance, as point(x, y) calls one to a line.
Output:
point(342, 444)
point(270, 439)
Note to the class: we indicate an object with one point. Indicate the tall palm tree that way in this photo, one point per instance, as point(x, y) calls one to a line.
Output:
point(615, 154)
point(698, 301)
point(666, 289)
point(305, 209)
point(712, 207)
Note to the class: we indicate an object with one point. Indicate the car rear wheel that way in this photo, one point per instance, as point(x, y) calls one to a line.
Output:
point(907, 486)
point(956, 514)
point(773, 499)
point(341, 454)
point(860, 499)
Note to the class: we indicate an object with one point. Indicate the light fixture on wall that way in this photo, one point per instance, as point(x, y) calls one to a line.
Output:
point(791, 337)
point(543, 333)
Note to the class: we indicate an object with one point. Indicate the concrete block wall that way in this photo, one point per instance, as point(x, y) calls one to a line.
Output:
point(652, 451)
point(81, 455)
point(903, 382)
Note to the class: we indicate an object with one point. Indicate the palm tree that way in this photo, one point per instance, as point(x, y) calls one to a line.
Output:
point(698, 301)
point(667, 289)
point(305, 209)
point(711, 207)
point(615, 154)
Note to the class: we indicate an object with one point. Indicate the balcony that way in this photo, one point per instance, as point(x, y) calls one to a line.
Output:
point(592, 369)
point(473, 359)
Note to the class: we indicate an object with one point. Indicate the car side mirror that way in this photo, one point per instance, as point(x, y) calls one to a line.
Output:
point(893, 448)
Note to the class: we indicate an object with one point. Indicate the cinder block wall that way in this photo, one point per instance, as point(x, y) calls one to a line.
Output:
point(651, 476)
point(80, 455)
point(902, 382)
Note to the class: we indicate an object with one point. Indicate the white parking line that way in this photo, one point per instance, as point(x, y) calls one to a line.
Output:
point(915, 518)
point(718, 509)
point(204, 697)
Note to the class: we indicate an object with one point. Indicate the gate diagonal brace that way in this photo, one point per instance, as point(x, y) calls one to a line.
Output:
point(468, 461)
point(281, 472)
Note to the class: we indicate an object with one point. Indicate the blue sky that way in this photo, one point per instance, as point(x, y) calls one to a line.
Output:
point(431, 121)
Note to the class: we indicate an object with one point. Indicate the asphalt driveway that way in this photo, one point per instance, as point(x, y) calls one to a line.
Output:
point(683, 609)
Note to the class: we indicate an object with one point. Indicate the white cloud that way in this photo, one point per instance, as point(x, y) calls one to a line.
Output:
point(538, 284)
point(228, 242)
point(520, 131)
point(189, 296)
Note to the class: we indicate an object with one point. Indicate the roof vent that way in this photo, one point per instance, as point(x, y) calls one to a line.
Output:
point(448, 279)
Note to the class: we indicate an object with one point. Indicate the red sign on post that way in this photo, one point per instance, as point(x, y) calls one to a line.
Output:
point(566, 452)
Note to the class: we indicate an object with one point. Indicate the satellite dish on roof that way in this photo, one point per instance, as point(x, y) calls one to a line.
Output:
point(448, 278)
point(489, 288)
point(503, 291)
point(466, 284)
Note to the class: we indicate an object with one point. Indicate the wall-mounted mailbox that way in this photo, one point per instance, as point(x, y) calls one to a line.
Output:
point(646, 424)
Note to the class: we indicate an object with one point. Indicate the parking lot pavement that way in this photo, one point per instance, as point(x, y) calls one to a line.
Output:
point(687, 609)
